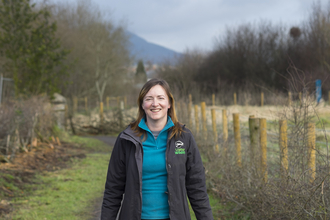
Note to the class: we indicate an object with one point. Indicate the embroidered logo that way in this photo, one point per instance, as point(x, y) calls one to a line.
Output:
point(178, 144)
point(178, 148)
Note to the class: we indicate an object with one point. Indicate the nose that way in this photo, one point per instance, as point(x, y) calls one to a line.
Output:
point(155, 102)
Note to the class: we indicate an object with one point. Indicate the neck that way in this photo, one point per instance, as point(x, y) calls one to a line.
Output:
point(156, 126)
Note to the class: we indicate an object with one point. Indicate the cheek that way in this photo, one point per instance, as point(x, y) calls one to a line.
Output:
point(144, 105)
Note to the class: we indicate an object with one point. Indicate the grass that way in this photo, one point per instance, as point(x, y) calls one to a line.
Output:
point(88, 143)
point(215, 205)
point(7, 181)
point(65, 194)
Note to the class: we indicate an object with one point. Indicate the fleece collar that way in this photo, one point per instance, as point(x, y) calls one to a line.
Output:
point(144, 126)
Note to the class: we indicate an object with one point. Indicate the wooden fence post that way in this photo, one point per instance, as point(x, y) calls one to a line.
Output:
point(178, 110)
point(66, 116)
point(86, 103)
point(108, 102)
point(263, 148)
point(196, 119)
point(283, 149)
point(300, 98)
point(75, 104)
point(184, 115)
point(289, 99)
point(213, 99)
point(101, 113)
point(118, 103)
point(254, 142)
point(235, 99)
point(237, 135)
point(224, 125)
point(215, 133)
point(225, 132)
point(203, 108)
point(262, 99)
point(122, 105)
point(190, 110)
point(311, 151)
point(34, 144)
point(125, 102)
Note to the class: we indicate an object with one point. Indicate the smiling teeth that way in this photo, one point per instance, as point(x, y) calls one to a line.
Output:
point(155, 110)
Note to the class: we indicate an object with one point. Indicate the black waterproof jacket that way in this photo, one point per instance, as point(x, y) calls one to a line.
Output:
point(186, 177)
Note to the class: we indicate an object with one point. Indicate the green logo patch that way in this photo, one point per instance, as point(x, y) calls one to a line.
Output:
point(180, 151)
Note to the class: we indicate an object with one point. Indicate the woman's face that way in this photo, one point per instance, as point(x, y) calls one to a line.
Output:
point(155, 105)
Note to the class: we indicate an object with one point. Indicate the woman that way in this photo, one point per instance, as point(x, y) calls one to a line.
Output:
point(155, 164)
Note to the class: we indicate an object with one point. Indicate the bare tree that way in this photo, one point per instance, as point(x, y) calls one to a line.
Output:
point(99, 55)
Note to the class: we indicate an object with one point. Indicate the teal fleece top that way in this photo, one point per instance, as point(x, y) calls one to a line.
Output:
point(154, 173)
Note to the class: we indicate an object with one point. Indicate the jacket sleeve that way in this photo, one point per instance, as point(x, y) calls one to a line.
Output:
point(195, 183)
point(115, 182)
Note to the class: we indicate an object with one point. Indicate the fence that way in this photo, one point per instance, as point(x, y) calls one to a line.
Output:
point(85, 104)
point(291, 97)
point(273, 158)
point(257, 135)
point(97, 117)
point(6, 88)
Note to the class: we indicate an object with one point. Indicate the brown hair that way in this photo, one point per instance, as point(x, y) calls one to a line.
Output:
point(177, 129)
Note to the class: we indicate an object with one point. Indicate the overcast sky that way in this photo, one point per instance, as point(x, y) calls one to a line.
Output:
point(182, 24)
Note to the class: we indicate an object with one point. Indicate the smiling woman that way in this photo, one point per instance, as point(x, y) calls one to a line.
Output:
point(156, 164)
point(155, 105)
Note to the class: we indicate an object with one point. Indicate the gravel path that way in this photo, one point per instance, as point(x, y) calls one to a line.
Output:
point(106, 139)
point(96, 215)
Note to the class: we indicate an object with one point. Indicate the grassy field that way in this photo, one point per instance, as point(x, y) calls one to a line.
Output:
point(67, 193)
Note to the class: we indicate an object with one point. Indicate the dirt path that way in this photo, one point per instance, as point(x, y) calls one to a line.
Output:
point(96, 215)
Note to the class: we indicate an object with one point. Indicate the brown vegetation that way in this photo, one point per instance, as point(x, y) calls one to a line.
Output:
point(23, 121)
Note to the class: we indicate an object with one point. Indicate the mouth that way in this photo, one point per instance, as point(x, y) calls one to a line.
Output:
point(155, 110)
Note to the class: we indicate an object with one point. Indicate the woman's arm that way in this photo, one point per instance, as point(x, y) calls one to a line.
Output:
point(195, 183)
point(115, 182)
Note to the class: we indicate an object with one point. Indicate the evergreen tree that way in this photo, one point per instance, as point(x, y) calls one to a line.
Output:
point(140, 75)
point(32, 53)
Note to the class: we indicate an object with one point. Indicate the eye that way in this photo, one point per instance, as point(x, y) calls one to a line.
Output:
point(161, 98)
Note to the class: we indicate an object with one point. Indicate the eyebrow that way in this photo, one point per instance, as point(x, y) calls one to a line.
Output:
point(152, 96)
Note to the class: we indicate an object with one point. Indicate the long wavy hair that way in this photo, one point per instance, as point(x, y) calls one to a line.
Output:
point(177, 129)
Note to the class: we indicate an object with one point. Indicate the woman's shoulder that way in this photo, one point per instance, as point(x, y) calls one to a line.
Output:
point(185, 132)
point(128, 133)
point(185, 129)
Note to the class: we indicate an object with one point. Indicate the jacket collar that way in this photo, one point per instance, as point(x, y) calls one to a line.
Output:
point(128, 131)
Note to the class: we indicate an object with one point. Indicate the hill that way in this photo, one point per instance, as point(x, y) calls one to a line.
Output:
point(142, 49)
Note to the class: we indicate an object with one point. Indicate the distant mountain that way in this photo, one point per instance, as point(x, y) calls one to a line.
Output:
point(143, 50)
